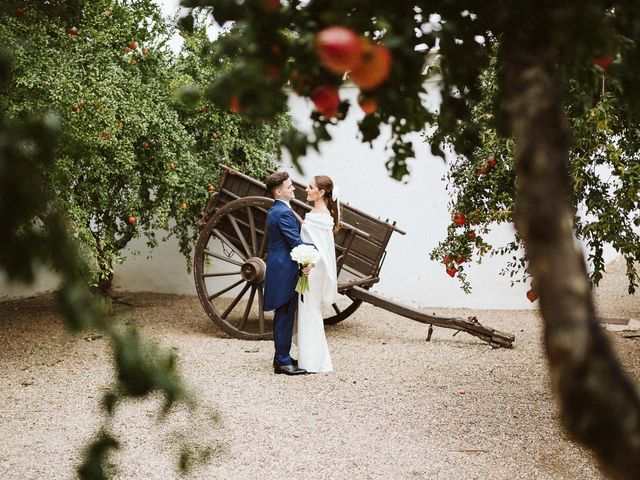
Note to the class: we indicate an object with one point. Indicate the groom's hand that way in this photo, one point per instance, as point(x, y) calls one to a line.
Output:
point(307, 269)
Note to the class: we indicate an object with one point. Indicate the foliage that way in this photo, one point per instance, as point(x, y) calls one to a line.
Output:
point(126, 165)
point(465, 37)
point(604, 170)
point(220, 136)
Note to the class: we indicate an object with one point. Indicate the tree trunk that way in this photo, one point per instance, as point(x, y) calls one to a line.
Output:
point(599, 405)
point(105, 284)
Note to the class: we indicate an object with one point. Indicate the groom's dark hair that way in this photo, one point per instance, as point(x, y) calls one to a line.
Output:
point(275, 180)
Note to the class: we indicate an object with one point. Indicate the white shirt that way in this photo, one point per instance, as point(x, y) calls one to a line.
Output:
point(286, 203)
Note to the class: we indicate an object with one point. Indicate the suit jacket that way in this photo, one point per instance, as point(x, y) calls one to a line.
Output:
point(282, 272)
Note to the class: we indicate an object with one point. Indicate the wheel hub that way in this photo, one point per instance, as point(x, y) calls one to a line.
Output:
point(253, 270)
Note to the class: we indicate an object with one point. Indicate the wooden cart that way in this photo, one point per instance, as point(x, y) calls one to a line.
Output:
point(230, 259)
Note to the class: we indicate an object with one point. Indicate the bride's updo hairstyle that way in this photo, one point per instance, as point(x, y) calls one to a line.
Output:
point(325, 183)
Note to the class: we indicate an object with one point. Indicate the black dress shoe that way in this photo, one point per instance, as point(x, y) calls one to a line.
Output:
point(295, 362)
point(289, 370)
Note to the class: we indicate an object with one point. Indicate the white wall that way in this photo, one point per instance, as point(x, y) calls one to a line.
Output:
point(419, 205)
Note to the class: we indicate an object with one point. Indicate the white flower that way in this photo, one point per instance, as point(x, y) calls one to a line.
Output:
point(305, 254)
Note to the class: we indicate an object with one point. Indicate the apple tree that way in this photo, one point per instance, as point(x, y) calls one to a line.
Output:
point(545, 76)
point(604, 174)
point(33, 232)
point(126, 165)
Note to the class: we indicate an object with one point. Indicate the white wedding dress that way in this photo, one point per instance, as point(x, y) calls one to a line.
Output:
point(313, 351)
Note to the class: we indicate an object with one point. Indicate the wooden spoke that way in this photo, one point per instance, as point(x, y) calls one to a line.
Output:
point(247, 309)
point(224, 238)
point(263, 245)
point(261, 309)
point(238, 230)
point(219, 274)
point(335, 307)
point(252, 228)
point(233, 304)
point(223, 258)
point(225, 290)
point(237, 222)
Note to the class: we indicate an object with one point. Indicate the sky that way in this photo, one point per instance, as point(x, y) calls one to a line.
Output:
point(169, 9)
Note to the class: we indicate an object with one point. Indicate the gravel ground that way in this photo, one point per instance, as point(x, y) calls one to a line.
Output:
point(396, 406)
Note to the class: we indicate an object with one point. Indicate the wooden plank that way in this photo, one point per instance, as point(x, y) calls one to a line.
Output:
point(378, 230)
point(366, 249)
point(346, 276)
point(354, 263)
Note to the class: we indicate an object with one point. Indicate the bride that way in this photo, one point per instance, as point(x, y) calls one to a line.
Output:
point(318, 228)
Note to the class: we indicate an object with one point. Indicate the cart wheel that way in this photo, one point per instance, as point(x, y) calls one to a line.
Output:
point(342, 309)
point(231, 253)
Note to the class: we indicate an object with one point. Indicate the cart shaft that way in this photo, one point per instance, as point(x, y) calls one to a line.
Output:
point(470, 325)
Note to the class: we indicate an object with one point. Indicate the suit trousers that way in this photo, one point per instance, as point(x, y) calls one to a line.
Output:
point(283, 319)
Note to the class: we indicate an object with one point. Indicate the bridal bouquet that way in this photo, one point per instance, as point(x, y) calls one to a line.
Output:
point(304, 255)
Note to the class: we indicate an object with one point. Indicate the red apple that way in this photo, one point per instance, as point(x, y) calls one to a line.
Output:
point(460, 259)
point(133, 45)
point(203, 108)
point(211, 188)
point(132, 219)
point(215, 135)
point(183, 206)
point(145, 145)
point(340, 49)
point(491, 162)
point(459, 218)
point(145, 51)
point(74, 107)
point(374, 69)
point(446, 259)
point(234, 104)
point(368, 105)
point(172, 165)
point(451, 271)
point(19, 11)
point(106, 135)
point(326, 99)
point(472, 234)
point(532, 295)
point(72, 32)
point(603, 62)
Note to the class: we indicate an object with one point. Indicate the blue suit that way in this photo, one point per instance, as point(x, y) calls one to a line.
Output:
point(281, 277)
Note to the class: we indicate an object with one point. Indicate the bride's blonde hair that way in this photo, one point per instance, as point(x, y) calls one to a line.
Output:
point(325, 183)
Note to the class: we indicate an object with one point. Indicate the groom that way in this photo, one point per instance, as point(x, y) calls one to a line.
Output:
point(282, 271)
